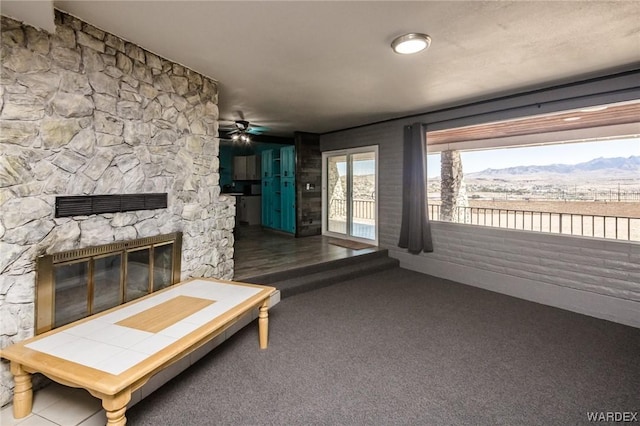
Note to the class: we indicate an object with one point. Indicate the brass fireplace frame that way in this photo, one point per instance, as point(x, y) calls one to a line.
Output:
point(45, 264)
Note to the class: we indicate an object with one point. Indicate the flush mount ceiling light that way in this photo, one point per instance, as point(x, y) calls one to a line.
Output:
point(410, 43)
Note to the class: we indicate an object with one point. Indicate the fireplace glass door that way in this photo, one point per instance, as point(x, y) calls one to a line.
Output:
point(138, 274)
point(162, 259)
point(107, 276)
point(72, 287)
point(77, 283)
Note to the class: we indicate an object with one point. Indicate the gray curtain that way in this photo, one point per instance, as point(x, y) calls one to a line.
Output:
point(415, 232)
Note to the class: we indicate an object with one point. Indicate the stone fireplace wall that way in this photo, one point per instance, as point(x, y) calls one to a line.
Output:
point(84, 112)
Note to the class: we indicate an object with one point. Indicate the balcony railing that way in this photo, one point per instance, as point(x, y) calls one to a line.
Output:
point(361, 209)
point(609, 227)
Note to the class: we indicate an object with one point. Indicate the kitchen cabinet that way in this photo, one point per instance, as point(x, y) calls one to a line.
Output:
point(248, 209)
point(239, 168)
point(253, 167)
point(246, 167)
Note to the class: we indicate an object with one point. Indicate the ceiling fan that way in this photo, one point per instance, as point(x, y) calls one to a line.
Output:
point(240, 130)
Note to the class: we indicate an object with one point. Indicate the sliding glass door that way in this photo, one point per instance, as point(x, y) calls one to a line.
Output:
point(336, 209)
point(350, 194)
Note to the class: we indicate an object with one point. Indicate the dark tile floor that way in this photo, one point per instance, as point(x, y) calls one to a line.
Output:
point(259, 251)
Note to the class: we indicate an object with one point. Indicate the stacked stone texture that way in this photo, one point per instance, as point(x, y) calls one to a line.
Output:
point(84, 112)
point(453, 190)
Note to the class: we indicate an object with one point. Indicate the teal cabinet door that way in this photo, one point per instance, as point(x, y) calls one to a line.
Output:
point(267, 201)
point(288, 161)
point(276, 202)
point(267, 163)
point(288, 206)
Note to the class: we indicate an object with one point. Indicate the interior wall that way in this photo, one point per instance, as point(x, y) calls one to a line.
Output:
point(388, 137)
point(83, 112)
point(308, 184)
point(451, 256)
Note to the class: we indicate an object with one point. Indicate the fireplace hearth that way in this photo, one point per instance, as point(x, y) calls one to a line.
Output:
point(74, 284)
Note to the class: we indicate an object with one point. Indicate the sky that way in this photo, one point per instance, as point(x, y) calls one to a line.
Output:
point(476, 161)
point(569, 153)
point(360, 167)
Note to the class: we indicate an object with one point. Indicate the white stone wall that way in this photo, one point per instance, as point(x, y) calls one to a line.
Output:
point(84, 112)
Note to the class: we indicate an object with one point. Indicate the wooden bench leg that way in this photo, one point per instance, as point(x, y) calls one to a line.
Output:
point(22, 393)
point(263, 324)
point(116, 406)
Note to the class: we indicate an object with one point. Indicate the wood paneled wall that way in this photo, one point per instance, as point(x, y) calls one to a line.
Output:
point(308, 184)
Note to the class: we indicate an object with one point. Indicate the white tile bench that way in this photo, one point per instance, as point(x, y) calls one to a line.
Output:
point(114, 353)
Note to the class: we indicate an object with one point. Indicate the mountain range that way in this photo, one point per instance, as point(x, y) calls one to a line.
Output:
point(618, 165)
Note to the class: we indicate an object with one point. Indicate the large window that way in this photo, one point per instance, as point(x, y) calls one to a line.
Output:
point(589, 188)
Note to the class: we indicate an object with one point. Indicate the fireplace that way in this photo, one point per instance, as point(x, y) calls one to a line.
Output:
point(74, 284)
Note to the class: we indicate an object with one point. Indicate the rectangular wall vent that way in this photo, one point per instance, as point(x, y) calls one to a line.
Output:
point(84, 205)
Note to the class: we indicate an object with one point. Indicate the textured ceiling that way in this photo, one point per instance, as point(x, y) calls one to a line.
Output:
point(323, 66)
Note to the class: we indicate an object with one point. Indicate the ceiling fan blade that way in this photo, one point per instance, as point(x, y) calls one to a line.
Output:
point(229, 124)
point(257, 130)
point(231, 127)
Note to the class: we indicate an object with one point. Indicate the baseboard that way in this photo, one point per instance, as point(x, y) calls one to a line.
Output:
point(583, 302)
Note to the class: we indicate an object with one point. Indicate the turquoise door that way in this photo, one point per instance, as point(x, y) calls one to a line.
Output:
point(279, 189)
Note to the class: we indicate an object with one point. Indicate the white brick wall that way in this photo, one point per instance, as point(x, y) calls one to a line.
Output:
point(596, 277)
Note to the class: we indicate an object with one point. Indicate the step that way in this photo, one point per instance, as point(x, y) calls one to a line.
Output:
point(274, 277)
point(300, 280)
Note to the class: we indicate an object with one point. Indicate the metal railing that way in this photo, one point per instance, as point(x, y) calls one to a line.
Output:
point(597, 226)
point(572, 194)
point(362, 209)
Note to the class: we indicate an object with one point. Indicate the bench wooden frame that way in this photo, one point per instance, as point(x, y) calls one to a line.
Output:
point(115, 390)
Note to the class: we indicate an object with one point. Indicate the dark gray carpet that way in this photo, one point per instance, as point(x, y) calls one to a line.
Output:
point(399, 347)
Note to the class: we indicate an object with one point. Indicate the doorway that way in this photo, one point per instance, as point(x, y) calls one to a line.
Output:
point(350, 194)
